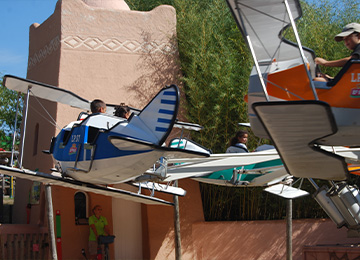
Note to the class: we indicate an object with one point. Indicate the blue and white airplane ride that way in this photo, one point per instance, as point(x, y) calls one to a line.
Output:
point(101, 148)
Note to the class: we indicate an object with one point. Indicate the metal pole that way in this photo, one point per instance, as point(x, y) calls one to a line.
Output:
point(289, 229)
point(3, 184)
point(177, 226)
point(313, 183)
point(177, 216)
point(257, 67)
point(24, 127)
point(11, 187)
point(2, 204)
point(14, 134)
point(261, 78)
point(300, 48)
point(50, 213)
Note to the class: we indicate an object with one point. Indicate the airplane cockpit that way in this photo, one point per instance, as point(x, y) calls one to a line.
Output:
point(86, 130)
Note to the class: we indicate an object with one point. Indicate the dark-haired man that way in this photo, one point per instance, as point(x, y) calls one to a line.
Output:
point(98, 106)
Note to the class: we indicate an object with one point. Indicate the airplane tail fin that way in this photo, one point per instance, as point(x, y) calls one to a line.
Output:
point(159, 115)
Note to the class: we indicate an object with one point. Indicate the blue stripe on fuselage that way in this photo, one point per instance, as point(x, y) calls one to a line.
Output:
point(165, 111)
point(169, 93)
point(168, 102)
point(86, 134)
point(161, 129)
point(164, 120)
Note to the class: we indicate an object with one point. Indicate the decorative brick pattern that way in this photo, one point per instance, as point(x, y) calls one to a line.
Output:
point(44, 52)
point(96, 44)
point(116, 45)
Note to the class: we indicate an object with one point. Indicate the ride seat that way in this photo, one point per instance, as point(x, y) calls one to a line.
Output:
point(341, 73)
point(82, 116)
point(101, 121)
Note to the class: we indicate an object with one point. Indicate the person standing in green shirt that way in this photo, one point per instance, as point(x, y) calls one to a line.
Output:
point(98, 227)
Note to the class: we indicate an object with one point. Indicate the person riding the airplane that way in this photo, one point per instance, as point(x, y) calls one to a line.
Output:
point(122, 111)
point(98, 106)
point(238, 143)
point(351, 37)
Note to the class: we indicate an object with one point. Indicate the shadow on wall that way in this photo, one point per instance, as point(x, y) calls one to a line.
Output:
point(159, 62)
point(162, 65)
point(162, 246)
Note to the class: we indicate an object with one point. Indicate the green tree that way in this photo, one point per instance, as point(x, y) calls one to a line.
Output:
point(8, 101)
point(215, 64)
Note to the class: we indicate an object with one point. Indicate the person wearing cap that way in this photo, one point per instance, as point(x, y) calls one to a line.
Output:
point(351, 37)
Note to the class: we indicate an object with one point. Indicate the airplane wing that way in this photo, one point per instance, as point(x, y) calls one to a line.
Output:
point(260, 19)
point(351, 155)
point(45, 91)
point(187, 126)
point(244, 124)
point(67, 97)
point(78, 185)
point(153, 186)
point(241, 158)
point(183, 163)
point(126, 143)
point(264, 22)
point(295, 128)
point(286, 191)
point(255, 177)
point(52, 93)
point(199, 167)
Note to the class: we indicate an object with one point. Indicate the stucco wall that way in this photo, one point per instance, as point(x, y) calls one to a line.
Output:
point(263, 240)
point(158, 224)
point(96, 49)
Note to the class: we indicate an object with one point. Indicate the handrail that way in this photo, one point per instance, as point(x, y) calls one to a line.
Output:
point(19, 241)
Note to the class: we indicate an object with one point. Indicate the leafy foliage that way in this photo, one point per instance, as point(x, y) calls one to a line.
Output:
point(321, 21)
point(5, 142)
point(215, 64)
point(215, 71)
point(252, 203)
point(8, 100)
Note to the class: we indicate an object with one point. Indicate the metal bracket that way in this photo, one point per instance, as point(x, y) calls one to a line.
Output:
point(86, 146)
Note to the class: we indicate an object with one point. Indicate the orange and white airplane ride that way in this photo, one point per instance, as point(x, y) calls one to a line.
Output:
point(304, 119)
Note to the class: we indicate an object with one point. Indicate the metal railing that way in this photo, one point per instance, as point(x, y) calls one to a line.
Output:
point(23, 242)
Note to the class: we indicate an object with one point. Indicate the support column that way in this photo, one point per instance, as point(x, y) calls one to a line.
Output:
point(51, 226)
point(289, 229)
point(177, 226)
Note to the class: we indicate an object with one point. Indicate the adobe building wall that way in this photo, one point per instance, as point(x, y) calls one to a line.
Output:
point(96, 49)
point(158, 225)
point(43, 66)
point(263, 240)
point(118, 55)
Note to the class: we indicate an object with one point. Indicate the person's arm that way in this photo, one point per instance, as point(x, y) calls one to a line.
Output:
point(92, 226)
point(332, 63)
point(107, 230)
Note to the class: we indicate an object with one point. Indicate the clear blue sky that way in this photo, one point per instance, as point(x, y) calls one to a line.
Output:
point(16, 16)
